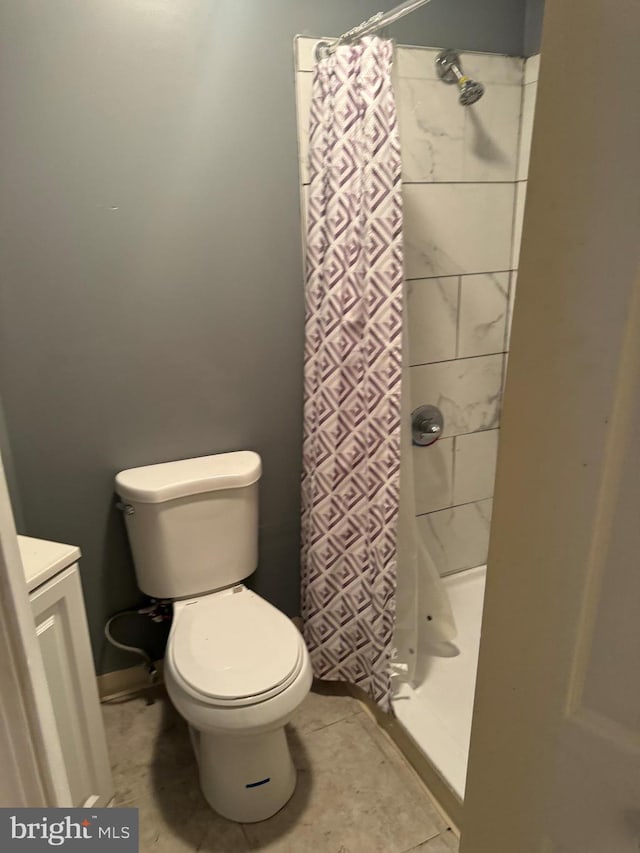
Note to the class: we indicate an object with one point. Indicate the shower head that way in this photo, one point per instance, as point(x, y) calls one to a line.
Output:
point(470, 91)
point(449, 71)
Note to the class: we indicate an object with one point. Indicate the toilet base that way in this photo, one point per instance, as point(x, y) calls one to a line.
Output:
point(245, 778)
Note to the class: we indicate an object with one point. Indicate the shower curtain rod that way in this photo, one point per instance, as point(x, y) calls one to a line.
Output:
point(372, 25)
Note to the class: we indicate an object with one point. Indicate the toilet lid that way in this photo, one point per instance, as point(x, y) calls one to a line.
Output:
point(235, 645)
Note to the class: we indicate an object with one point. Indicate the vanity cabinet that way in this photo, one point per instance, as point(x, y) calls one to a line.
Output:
point(55, 593)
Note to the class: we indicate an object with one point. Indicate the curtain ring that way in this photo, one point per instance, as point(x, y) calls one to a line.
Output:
point(322, 50)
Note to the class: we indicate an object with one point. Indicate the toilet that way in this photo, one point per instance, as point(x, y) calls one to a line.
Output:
point(236, 668)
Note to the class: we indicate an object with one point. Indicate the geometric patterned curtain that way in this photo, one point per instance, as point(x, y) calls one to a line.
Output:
point(353, 364)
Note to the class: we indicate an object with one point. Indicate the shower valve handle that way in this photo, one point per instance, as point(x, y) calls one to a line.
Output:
point(427, 424)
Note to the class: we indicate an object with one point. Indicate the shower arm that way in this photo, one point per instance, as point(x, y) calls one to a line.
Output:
point(372, 25)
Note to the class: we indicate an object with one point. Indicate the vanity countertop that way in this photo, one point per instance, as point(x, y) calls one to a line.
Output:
point(42, 559)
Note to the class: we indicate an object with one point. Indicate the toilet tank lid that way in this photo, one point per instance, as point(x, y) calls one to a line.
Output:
point(170, 480)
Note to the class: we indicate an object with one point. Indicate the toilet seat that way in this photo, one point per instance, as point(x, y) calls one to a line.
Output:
point(232, 648)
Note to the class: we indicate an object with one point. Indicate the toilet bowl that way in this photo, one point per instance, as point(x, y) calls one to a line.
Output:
point(236, 668)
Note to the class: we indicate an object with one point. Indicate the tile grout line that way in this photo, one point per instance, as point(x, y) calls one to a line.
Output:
point(507, 325)
point(406, 764)
point(309, 732)
point(328, 725)
point(518, 164)
point(246, 837)
point(519, 144)
point(453, 472)
point(424, 841)
point(458, 313)
point(454, 447)
point(461, 274)
point(457, 183)
point(460, 358)
point(512, 182)
point(454, 506)
point(454, 183)
point(471, 432)
point(502, 386)
point(428, 841)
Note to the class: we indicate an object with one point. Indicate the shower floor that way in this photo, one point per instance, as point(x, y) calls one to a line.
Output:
point(437, 714)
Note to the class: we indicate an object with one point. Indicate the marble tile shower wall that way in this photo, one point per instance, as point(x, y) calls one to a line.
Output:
point(463, 192)
point(529, 93)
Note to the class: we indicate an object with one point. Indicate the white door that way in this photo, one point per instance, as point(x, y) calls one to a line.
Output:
point(555, 750)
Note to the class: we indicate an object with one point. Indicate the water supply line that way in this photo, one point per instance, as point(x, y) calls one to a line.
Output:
point(157, 611)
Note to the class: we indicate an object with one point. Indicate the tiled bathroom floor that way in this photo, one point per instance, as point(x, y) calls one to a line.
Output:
point(355, 793)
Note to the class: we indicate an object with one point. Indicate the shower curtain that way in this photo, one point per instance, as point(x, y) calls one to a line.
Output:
point(353, 367)
point(373, 603)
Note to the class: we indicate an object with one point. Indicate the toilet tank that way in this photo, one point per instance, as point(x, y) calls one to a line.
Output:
point(192, 524)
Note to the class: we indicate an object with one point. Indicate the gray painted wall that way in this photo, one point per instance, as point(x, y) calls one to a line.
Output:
point(151, 306)
point(9, 470)
point(534, 12)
